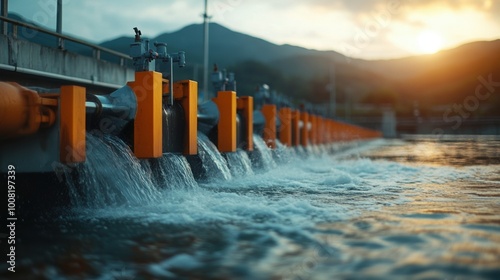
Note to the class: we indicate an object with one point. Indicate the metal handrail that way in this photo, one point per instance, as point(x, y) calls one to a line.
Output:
point(97, 49)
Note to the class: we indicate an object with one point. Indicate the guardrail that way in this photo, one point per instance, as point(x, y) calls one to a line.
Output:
point(61, 38)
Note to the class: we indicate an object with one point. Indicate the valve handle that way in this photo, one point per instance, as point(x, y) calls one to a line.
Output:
point(138, 34)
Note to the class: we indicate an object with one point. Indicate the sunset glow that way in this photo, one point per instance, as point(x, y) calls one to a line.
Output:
point(377, 29)
point(429, 42)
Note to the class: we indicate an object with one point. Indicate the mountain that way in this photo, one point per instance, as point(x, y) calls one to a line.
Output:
point(430, 83)
point(254, 60)
point(226, 46)
point(447, 78)
point(444, 78)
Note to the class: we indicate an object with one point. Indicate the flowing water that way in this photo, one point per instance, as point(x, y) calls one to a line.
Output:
point(239, 163)
point(171, 171)
point(415, 208)
point(282, 154)
point(262, 156)
point(111, 176)
point(214, 164)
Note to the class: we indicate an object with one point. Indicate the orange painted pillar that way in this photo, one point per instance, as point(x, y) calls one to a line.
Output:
point(285, 116)
point(329, 129)
point(226, 128)
point(244, 105)
point(323, 131)
point(269, 112)
point(316, 130)
point(72, 143)
point(319, 130)
point(295, 128)
point(335, 131)
point(186, 92)
point(312, 131)
point(304, 133)
point(148, 132)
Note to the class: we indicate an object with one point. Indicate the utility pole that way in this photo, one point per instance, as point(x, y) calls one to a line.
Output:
point(206, 18)
point(60, 43)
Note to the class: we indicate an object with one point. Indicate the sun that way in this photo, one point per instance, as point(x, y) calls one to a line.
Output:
point(429, 42)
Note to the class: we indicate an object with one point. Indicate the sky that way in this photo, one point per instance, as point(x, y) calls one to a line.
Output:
point(368, 29)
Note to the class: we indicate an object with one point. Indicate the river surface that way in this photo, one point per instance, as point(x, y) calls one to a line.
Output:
point(419, 207)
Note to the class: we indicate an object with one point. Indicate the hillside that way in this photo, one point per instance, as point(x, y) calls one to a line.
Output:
point(290, 69)
point(226, 46)
point(446, 77)
point(430, 82)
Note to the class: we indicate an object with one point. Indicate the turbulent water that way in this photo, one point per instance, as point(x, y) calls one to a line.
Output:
point(110, 166)
point(420, 207)
point(214, 164)
point(262, 156)
point(239, 163)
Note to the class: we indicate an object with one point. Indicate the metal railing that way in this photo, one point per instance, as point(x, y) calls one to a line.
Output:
point(61, 38)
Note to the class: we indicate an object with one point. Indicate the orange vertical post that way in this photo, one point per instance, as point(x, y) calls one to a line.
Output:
point(317, 129)
point(304, 133)
point(285, 116)
point(244, 104)
point(226, 128)
point(72, 124)
point(332, 131)
point(321, 130)
point(186, 92)
point(325, 131)
point(148, 132)
point(328, 125)
point(295, 128)
point(312, 131)
point(269, 112)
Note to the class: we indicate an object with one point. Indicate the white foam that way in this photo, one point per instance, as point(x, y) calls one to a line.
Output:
point(214, 164)
point(239, 163)
point(300, 194)
point(180, 261)
point(292, 196)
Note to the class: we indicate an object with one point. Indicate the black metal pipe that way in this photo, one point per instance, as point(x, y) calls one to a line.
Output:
point(4, 13)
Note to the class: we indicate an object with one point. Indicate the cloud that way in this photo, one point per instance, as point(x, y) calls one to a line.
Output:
point(491, 7)
point(101, 20)
point(319, 24)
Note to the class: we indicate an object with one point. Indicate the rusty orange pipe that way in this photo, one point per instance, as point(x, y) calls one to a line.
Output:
point(22, 111)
